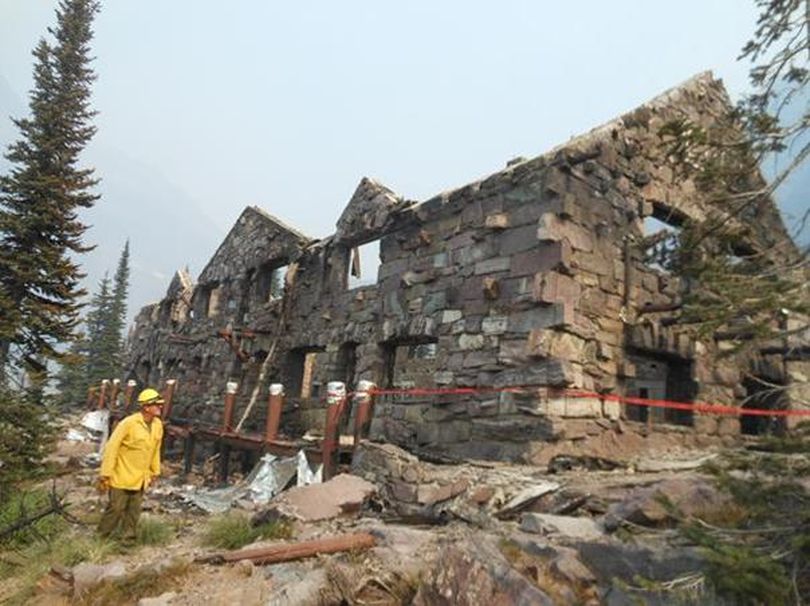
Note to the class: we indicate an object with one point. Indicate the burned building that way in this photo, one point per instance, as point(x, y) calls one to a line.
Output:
point(538, 276)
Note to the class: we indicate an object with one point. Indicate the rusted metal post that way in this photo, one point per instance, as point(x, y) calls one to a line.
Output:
point(335, 402)
point(230, 401)
point(364, 405)
point(227, 426)
point(286, 552)
point(168, 395)
point(116, 389)
point(102, 394)
point(274, 405)
point(129, 391)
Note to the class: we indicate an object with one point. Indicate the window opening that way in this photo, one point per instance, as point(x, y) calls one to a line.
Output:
point(766, 395)
point(661, 378)
point(661, 244)
point(410, 363)
point(300, 373)
point(270, 282)
point(364, 265)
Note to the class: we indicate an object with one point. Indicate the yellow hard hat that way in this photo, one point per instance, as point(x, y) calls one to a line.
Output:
point(149, 396)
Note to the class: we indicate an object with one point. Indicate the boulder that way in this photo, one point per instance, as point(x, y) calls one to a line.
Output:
point(650, 505)
point(472, 572)
point(342, 494)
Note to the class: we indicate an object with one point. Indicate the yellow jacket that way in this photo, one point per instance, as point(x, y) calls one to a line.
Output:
point(132, 454)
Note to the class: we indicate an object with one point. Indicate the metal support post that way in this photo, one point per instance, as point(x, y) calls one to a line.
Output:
point(335, 402)
point(275, 403)
point(364, 407)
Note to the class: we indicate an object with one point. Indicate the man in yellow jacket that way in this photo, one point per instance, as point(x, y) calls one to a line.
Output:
point(130, 462)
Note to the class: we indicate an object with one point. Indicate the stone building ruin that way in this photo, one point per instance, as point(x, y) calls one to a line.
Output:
point(535, 276)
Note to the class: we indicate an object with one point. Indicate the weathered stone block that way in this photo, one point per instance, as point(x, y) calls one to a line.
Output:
point(518, 240)
point(550, 287)
point(476, 359)
point(443, 377)
point(555, 407)
point(450, 315)
point(494, 325)
point(497, 221)
point(441, 259)
point(540, 317)
point(611, 409)
point(545, 342)
point(434, 302)
point(427, 433)
point(596, 263)
point(468, 341)
point(583, 407)
point(494, 265)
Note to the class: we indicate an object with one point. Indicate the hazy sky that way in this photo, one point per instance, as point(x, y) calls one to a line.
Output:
point(287, 105)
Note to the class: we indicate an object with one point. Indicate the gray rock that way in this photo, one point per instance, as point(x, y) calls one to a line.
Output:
point(649, 505)
point(474, 572)
point(572, 527)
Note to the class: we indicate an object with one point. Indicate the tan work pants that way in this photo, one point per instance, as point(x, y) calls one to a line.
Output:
point(122, 513)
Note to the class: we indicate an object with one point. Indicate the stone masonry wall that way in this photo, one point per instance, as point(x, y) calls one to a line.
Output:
point(536, 276)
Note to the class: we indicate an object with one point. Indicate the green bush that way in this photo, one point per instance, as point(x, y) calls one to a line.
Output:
point(234, 530)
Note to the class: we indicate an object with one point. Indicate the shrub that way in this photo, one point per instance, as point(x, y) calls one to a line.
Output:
point(233, 530)
point(143, 583)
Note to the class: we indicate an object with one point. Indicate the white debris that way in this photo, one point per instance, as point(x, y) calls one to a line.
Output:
point(269, 477)
point(306, 475)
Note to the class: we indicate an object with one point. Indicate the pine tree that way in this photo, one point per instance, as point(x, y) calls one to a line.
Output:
point(99, 354)
point(744, 291)
point(72, 382)
point(99, 365)
point(40, 232)
point(118, 313)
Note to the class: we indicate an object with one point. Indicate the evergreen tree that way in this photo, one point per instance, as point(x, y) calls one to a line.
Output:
point(72, 382)
point(42, 194)
point(99, 354)
point(745, 291)
point(118, 313)
point(99, 348)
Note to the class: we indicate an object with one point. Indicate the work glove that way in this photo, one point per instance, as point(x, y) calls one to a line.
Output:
point(103, 484)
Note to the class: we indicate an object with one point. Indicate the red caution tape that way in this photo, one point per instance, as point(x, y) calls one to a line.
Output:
point(699, 407)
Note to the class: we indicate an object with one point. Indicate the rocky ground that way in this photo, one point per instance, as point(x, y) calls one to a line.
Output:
point(580, 531)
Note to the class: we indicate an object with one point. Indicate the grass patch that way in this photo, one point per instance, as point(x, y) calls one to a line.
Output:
point(143, 583)
point(20, 504)
point(22, 568)
point(234, 530)
point(154, 531)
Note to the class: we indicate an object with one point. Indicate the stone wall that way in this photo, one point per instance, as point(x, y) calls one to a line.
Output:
point(538, 275)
